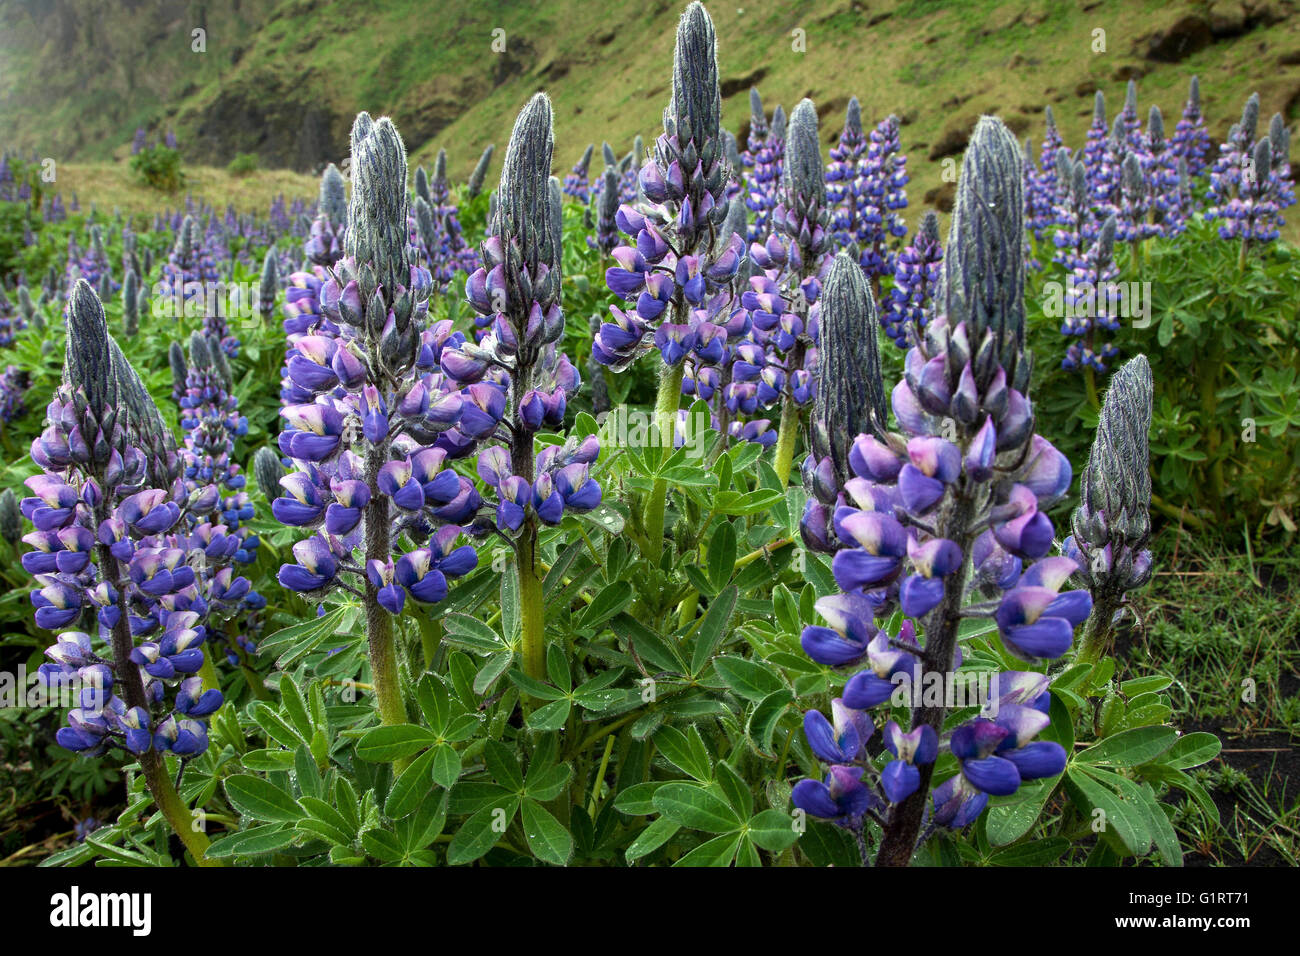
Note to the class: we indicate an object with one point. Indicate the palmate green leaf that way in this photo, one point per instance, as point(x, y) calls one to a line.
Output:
point(748, 678)
point(547, 782)
point(746, 503)
point(411, 786)
point(721, 560)
point(654, 836)
point(266, 761)
point(509, 606)
point(1034, 853)
point(446, 765)
point(275, 726)
point(1129, 748)
point(785, 609)
point(1124, 816)
point(383, 846)
point(503, 765)
point(765, 718)
point(470, 632)
point(110, 850)
point(1010, 818)
point(534, 687)
point(547, 838)
point(686, 751)
point(255, 841)
point(550, 716)
point(1192, 750)
point(555, 577)
point(638, 799)
point(713, 628)
point(491, 671)
point(309, 633)
point(260, 799)
point(1162, 831)
point(435, 703)
point(773, 831)
point(719, 851)
point(608, 603)
point(735, 790)
point(691, 805)
point(649, 646)
point(392, 742)
point(295, 707)
point(326, 822)
point(482, 830)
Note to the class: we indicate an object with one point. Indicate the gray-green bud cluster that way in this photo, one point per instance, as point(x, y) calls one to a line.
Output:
point(479, 175)
point(1112, 524)
point(850, 388)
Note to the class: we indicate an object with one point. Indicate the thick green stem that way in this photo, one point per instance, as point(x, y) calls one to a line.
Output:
point(1099, 631)
point(898, 841)
point(131, 687)
point(379, 623)
point(789, 432)
point(785, 439)
point(667, 402)
point(532, 612)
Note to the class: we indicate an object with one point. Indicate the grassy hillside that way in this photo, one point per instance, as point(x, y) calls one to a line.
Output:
point(284, 79)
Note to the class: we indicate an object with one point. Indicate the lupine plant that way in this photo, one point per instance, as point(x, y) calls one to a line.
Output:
point(678, 276)
point(365, 475)
point(952, 504)
point(109, 493)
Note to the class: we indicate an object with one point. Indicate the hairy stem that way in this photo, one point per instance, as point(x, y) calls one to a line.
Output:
point(532, 613)
point(901, 830)
point(789, 431)
point(127, 678)
point(666, 404)
point(1099, 631)
point(785, 439)
point(379, 623)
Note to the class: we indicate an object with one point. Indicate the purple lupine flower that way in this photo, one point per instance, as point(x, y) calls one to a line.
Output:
point(922, 502)
point(92, 265)
point(1094, 150)
point(916, 275)
point(218, 507)
point(1162, 171)
point(765, 158)
point(1235, 155)
point(843, 798)
point(844, 176)
point(1251, 182)
point(674, 272)
point(884, 181)
point(1046, 185)
point(576, 183)
point(1191, 140)
point(1129, 119)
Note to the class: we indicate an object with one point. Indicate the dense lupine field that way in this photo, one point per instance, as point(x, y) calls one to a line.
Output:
point(684, 509)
